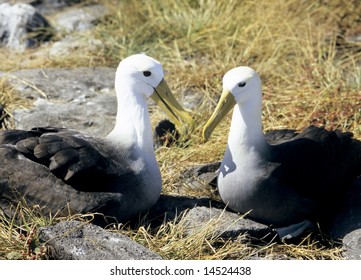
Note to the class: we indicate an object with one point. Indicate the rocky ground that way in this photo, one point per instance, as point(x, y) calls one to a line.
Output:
point(83, 99)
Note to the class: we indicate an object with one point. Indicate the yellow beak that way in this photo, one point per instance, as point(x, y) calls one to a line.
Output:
point(164, 98)
point(225, 104)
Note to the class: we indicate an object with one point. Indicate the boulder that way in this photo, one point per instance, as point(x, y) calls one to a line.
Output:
point(61, 84)
point(80, 19)
point(70, 44)
point(225, 224)
point(22, 27)
point(199, 212)
point(202, 175)
point(352, 245)
point(80, 98)
point(170, 207)
point(51, 6)
point(74, 240)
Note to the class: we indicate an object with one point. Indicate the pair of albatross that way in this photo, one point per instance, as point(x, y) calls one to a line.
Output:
point(284, 178)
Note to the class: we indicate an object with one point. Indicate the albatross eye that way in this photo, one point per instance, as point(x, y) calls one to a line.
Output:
point(242, 84)
point(147, 73)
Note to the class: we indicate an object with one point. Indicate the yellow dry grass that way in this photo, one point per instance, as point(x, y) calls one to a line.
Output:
point(310, 71)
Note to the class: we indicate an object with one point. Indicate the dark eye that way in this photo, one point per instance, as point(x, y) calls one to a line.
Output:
point(147, 73)
point(242, 84)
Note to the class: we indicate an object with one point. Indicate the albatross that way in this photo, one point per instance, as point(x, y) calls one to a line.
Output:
point(65, 171)
point(287, 179)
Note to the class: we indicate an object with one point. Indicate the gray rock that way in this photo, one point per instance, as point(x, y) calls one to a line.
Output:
point(191, 99)
point(352, 245)
point(71, 44)
point(225, 224)
point(94, 115)
point(200, 211)
point(355, 38)
point(169, 207)
point(74, 240)
point(202, 175)
point(22, 27)
point(62, 83)
point(81, 98)
point(79, 19)
point(50, 6)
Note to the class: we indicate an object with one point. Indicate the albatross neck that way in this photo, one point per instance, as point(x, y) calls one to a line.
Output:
point(246, 127)
point(132, 125)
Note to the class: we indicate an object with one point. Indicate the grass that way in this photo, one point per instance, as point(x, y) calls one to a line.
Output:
point(10, 100)
point(310, 71)
point(18, 237)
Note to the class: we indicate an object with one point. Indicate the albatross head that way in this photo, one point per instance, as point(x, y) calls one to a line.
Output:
point(239, 85)
point(145, 74)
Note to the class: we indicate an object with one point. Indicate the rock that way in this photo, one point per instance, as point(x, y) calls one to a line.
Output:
point(14, 255)
point(169, 207)
point(71, 44)
point(200, 211)
point(202, 175)
point(50, 6)
point(79, 19)
point(22, 27)
point(81, 98)
point(87, 114)
point(61, 83)
point(225, 224)
point(74, 240)
point(202, 169)
point(352, 245)
point(191, 99)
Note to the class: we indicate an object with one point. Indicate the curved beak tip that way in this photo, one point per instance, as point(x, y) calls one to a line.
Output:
point(165, 99)
point(205, 134)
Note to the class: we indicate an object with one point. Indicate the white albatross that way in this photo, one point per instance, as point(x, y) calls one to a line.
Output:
point(286, 179)
point(64, 171)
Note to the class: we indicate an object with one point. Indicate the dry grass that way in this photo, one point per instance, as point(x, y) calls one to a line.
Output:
point(173, 241)
point(177, 240)
point(19, 231)
point(9, 99)
point(311, 75)
point(18, 236)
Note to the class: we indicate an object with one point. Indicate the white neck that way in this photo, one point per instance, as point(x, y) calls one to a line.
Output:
point(132, 126)
point(246, 128)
